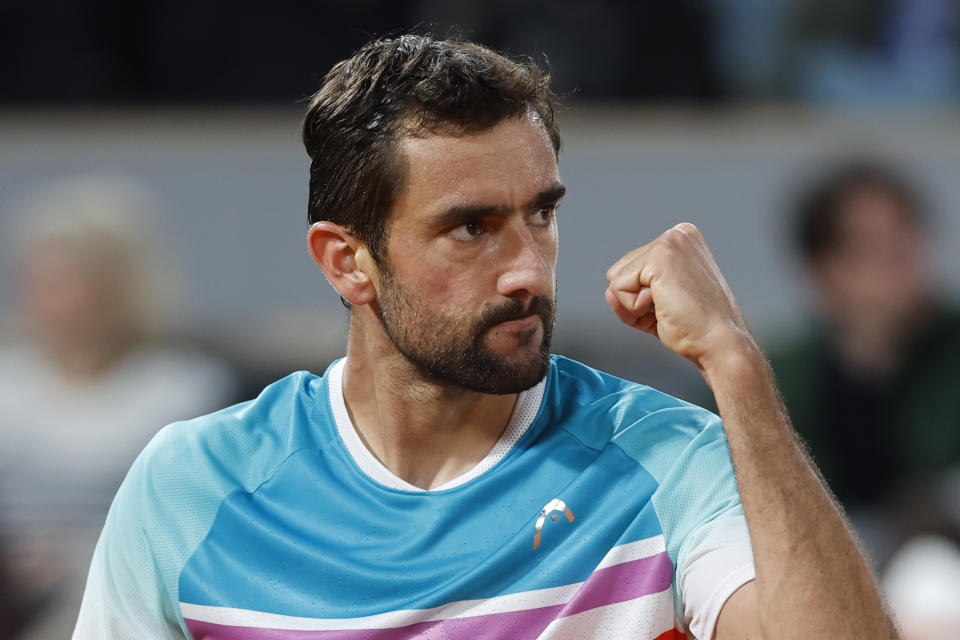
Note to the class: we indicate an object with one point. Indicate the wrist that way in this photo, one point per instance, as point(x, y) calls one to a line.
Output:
point(739, 362)
point(745, 391)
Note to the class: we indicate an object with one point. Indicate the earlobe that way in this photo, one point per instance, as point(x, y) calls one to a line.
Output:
point(338, 253)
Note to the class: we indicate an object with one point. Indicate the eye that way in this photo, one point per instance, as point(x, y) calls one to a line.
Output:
point(544, 215)
point(468, 231)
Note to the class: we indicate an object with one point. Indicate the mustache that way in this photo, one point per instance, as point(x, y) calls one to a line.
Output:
point(541, 306)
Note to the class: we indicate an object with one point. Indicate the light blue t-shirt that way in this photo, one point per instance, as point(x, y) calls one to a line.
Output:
point(601, 502)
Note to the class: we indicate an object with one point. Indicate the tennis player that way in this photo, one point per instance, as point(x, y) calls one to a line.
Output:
point(449, 478)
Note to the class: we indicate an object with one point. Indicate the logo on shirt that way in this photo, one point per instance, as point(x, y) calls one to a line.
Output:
point(553, 509)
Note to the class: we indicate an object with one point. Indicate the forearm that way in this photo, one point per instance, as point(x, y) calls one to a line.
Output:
point(812, 580)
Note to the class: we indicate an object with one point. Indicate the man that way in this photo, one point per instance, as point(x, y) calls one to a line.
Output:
point(449, 478)
point(871, 385)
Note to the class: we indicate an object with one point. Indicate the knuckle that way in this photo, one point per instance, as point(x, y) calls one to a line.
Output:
point(664, 247)
point(687, 228)
point(670, 238)
point(622, 283)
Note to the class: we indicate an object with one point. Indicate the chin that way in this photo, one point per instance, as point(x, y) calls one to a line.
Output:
point(520, 376)
point(519, 347)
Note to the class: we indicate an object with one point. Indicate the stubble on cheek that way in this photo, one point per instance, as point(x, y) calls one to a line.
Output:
point(466, 347)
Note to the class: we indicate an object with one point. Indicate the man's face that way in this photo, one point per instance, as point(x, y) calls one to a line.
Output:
point(877, 273)
point(467, 290)
point(71, 299)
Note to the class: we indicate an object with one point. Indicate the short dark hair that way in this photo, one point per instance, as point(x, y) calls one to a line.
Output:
point(816, 214)
point(397, 87)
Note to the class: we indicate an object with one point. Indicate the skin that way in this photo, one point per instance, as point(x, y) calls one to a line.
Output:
point(75, 305)
point(812, 581)
point(429, 432)
point(875, 283)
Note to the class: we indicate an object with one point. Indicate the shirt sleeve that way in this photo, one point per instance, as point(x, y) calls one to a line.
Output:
point(127, 596)
point(698, 504)
point(167, 504)
point(714, 561)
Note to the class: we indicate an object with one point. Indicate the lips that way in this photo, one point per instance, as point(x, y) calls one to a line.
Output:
point(520, 324)
point(518, 318)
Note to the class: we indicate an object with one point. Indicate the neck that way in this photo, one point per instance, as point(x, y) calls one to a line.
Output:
point(424, 431)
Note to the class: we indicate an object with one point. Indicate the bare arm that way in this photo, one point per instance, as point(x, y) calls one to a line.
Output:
point(811, 578)
point(812, 581)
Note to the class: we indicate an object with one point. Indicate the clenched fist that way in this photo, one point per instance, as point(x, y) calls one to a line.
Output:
point(673, 288)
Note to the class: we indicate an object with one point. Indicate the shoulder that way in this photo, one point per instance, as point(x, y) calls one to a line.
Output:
point(648, 425)
point(238, 447)
point(579, 385)
point(169, 500)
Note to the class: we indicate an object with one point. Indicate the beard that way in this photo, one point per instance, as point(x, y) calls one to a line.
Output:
point(453, 349)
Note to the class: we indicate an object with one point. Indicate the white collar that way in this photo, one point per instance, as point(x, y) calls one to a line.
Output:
point(524, 412)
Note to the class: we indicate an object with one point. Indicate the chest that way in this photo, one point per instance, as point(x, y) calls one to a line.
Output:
point(530, 550)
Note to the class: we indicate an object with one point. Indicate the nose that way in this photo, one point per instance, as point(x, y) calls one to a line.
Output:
point(528, 262)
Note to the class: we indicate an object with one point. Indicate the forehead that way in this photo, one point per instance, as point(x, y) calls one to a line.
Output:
point(503, 165)
point(875, 208)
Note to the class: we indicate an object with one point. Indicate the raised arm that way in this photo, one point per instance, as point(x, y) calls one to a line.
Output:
point(812, 581)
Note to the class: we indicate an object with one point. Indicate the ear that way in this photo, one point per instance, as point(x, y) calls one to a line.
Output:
point(341, 257)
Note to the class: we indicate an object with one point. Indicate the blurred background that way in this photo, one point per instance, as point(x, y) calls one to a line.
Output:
point(153, 263)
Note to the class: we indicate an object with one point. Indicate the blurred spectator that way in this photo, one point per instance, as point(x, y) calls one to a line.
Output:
point(872, 387)
point(87, 383)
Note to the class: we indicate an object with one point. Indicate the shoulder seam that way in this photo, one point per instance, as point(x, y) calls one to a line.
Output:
point(206, 534)
point(275, 471)
point(580, 440)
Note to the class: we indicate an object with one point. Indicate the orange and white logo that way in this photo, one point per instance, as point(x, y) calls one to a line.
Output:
point(553, 509)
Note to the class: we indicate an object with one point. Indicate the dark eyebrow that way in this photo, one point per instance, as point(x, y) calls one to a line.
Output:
point(547, 196)
point(460, 214)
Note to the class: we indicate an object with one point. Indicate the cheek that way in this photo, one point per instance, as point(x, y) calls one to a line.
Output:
point(446, 289)
point(439, 291)
point(550, 254)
